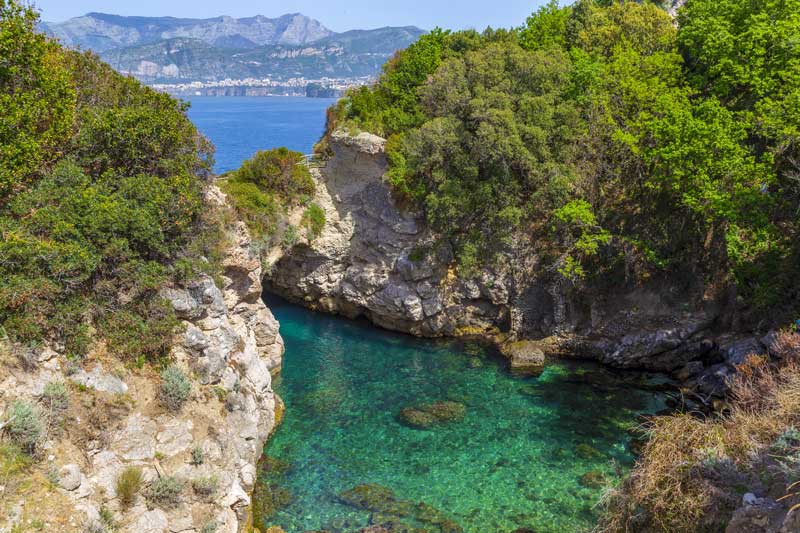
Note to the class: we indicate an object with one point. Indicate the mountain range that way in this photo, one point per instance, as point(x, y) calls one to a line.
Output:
point(179, 50)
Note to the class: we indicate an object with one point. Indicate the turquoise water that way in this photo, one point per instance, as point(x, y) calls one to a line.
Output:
point(240, 126)
point(514, 461)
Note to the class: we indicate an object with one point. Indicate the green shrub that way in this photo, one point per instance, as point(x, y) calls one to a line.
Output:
point(107, 521)
point(198, 455)
point(290, 236)
point(24, 424)
point(142, 329)
point(314, 220)
point(279, 171)
point(36, 97)
point(175, 388)
point(128, 485)
point(55, 396)
point(205, 487)
point(101, 188)
point(165, 491)
point(257, 208)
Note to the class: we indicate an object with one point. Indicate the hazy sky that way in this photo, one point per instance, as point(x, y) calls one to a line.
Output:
point(338, 15)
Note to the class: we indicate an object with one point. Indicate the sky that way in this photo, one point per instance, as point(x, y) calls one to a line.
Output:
point(338, 15)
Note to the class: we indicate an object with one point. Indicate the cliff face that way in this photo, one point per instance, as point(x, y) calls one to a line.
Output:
point(114, 419)
point(378, 260)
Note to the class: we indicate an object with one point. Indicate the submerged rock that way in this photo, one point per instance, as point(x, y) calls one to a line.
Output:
point(427, 416)
point(388, 509)
point(525, 357)
point(584, 451)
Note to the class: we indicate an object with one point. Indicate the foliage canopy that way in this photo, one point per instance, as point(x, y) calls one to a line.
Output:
point(679, 144)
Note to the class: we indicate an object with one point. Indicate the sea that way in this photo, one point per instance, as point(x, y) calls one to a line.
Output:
point(241, 126)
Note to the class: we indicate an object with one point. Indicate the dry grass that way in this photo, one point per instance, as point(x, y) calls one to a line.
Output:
point(683, 480)
point(128, 485)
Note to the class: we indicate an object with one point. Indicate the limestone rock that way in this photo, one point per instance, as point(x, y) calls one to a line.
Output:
point(99, 380)
point(378, 259)
point(136, 441)
point(231, 340)
point(70, 477)
point(175, 437)
point(757, 515)
point(154, 521)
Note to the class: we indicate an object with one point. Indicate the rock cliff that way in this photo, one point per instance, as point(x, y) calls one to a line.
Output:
point(377, 259)
point(113, 419)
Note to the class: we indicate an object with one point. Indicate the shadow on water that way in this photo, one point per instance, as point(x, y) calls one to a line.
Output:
point(439, 430)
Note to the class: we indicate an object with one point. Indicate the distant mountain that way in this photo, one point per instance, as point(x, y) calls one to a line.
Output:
point(179, 50)
point(347, 55)
point(101, 31)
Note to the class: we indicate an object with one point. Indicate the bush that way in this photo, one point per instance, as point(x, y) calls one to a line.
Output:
point(128, 485)
point(198, 455)
point(205, 487)
point(266, 185)
point(314, 220)
point(256, 207)
point(175, 388)
point(24, 425)
point(165, 491)
point(691, 469)
point(279, 171)
point(55, 396)
point(101, 183)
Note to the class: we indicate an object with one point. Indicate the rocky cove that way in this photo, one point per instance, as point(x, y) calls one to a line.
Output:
point(384, 431)
point(362, 446)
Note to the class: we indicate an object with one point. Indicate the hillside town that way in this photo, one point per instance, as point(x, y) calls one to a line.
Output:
point(318, 88)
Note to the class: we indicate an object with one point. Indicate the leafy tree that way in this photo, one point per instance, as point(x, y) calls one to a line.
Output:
point(101, 184)
point(36, 98)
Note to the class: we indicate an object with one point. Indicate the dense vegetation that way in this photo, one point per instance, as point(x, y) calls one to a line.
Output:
point(625, 145)
point(101, 183)
point(263, 190)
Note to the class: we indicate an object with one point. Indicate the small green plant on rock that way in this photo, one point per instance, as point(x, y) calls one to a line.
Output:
point(23, 422)
point(313, 220)
point(128, 485)
point(165, 491)
point(107, 519)
point(198, 455)
point(175, 388)
point(205, 487)
point(55, 396)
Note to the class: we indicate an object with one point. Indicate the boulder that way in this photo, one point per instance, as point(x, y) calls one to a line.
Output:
point(713, 381)
point(100, 381)
point(427, 416)
point(737, 351)
point(70, 477)
point(524, 356)
point(154, 521)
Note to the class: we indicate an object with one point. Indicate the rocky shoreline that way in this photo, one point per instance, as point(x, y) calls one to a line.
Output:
point(377, 259)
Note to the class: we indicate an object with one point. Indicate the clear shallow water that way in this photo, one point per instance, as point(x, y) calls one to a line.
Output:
point(240, 126)
point(514, 461)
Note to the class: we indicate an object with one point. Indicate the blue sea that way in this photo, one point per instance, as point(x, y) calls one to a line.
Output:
point(240, 126)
